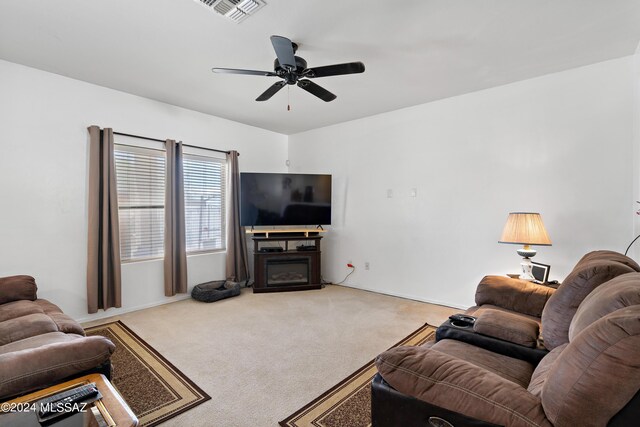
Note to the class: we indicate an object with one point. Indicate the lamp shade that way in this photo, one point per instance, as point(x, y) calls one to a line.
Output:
point(525, 228)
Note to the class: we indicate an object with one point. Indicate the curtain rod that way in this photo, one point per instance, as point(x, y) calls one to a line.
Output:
point(162, 140)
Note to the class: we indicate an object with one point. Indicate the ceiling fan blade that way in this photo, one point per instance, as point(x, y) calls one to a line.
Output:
point(273, 89)
point(247, 72)
point(284, 52)
point(316, 90)
point(335, 70)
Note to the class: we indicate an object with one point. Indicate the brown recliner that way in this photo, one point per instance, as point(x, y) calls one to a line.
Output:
point(591, 377)
point(39, 344)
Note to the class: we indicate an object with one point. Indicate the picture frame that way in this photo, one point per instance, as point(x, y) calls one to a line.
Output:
point(540, 271)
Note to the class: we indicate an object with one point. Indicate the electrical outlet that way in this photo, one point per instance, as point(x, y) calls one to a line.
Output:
point(366, 265)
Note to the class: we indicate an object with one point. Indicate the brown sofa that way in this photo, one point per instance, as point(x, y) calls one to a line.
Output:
point(509, 312)
point(39, 344)
point(589, 374)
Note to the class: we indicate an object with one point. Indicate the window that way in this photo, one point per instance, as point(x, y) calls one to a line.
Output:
point(140, 175)
point(204, 194)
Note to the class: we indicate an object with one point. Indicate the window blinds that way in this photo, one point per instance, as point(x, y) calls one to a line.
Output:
point(140, 174)
point(204, 193)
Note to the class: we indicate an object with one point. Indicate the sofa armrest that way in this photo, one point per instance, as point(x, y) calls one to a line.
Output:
point(459, 386)
point(507, 326)
point(513, 294)
point(25, 370)
point(16, 288)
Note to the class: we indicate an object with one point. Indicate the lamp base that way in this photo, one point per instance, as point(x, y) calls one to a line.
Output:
point(525, 269)
point(527, 252)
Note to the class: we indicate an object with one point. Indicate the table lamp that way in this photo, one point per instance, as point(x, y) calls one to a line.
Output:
point(525, 228)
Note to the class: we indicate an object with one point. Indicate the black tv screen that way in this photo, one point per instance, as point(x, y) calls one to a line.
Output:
point(284, 199)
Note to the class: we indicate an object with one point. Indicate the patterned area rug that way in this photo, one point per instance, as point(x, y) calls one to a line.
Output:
point(349, 402)
point(154, 389)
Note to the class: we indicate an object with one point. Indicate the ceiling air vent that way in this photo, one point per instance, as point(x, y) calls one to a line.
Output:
point(234, 10)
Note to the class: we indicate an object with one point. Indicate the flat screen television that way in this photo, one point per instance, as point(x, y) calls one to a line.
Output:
point(284, 199)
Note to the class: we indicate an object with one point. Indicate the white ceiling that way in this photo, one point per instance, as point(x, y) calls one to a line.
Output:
point(415, 51)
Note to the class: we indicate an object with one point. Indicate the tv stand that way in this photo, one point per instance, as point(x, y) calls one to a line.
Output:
point(287, 269)
point(300, 233)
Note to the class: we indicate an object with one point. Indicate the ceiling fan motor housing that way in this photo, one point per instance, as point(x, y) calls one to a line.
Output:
point(293, 76)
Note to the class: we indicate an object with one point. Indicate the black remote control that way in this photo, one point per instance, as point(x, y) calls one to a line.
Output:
point(63, 403)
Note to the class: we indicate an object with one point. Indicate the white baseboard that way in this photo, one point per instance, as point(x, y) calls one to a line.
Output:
point(124, 310)
point(405, 296)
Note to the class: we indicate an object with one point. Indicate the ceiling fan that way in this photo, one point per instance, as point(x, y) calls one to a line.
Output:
point(293, 71)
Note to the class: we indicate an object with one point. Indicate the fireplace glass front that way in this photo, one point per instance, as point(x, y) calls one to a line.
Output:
point(283, 272)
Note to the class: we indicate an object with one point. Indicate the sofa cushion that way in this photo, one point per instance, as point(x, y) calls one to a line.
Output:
point(38, 341)
point(475, 310)
point(12, 310)
point(513, 294)
point(597, 373)
point(25, 327)
point(26, 370)
point(16, 288)
point(515, 370)
point(541, 372)
point(562, 305)
point(623, 291)
point(460, 386)
point(507, 326)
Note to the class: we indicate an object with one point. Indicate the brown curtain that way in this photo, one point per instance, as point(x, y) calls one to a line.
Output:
point(237, 258)
point(175, 247)
point(103, 251)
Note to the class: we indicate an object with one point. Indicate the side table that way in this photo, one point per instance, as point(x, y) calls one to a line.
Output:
point(110, 411)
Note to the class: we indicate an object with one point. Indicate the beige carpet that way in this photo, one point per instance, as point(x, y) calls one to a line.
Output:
point(154, 389)
point(349, 402)
point(262, 356)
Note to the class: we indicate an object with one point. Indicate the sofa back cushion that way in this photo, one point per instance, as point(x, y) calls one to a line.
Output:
point(597, 374)
point(623, 291)
point(562, 305)
point(16, 288)
point(605, 255)
point(26, 326)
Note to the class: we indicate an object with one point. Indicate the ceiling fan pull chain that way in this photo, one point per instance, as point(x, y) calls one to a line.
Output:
point(288, 100)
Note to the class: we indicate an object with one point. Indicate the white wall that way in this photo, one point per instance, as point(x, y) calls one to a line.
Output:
point(561, 144)
point(634, 251)
point(43, 179)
